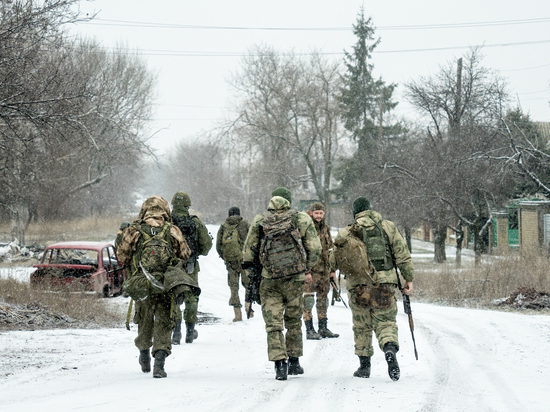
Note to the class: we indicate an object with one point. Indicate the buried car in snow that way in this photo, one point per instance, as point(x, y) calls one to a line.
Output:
point(89, 266)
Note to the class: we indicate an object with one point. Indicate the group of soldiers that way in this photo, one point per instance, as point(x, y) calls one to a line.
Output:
point(297, 265)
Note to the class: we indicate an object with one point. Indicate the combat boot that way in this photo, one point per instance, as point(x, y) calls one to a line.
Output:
point(249, 312)
point(281, 370)
point(390, 351)
point(145, 360)
point(158, 367)
point(324, 331)
point(191, 333)
point(238, 314)
point(310, 331)
point(294, 367)
point(364, 367)
point(176, 336)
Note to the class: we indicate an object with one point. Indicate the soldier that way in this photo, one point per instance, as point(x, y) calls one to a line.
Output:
point(119, 234)
point(153, 313)
point(321, 275)
point(283, 275)
point(229, 245)
point(373, 304)
point(200, 242)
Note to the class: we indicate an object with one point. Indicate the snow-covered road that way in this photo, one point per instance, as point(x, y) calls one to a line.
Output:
point(469, 360)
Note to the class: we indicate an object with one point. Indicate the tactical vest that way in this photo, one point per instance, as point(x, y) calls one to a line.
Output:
point(378, 247)
point(282, 252)
point(231, 243)
point(189, 231)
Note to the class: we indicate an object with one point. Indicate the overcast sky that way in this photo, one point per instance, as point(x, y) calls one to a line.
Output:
point(195, 46)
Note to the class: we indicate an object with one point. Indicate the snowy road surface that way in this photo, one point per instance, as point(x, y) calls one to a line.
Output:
point(469, 360)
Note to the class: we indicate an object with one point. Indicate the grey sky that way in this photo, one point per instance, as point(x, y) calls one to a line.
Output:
point(195, 46)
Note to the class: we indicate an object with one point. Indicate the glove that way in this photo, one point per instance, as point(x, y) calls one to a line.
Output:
point(247, 265)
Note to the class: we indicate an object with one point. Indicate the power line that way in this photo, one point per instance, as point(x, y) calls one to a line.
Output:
point(128, 23)
point(183, 53)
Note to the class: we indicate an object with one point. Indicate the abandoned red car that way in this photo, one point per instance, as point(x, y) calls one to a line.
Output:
point(89, 266)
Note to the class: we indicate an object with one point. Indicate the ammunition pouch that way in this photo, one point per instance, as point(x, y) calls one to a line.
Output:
point(371, 297)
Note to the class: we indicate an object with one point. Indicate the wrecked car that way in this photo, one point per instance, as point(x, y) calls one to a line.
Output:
point(88, 266)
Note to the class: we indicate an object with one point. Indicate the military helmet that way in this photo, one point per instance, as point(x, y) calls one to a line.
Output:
point(181, 199)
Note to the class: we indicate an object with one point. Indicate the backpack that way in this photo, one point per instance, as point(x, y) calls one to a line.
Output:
point(189, 231)
point(282, 252)
point(154, 250)
point(350, 253)
point(231, 243)
point(378, 246)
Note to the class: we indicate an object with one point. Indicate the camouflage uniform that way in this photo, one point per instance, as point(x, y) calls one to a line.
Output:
point(234, 269)
point(205, 244)
point(152, 314)
point(320, 274)
point(381, 321)
point(120, 233)
point(282, 299)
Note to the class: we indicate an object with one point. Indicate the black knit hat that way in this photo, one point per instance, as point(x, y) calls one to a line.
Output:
point(234, 211)
point(360, 205)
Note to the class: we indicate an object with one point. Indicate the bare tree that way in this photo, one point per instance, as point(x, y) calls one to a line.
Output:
point(462, 104)
point(289, 110)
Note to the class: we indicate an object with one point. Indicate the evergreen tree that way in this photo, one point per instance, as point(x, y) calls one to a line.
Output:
point(364, 102)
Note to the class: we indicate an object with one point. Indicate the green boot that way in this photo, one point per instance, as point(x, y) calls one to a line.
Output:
point(191, 333)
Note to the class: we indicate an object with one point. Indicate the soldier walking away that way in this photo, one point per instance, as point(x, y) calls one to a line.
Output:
point(371, 288)
point(289, 247)
point(321, 275)
point(149, 246)
point(229, 245)
point(120, 232)
point(200, 242)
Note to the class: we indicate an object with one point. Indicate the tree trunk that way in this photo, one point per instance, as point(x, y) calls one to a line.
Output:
point(408, 238)
point(440, 233)
point(459, 240)
point(477, 244)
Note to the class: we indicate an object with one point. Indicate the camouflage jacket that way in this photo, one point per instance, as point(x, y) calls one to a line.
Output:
point(310, 240)
point(401, 253)
point(242, 228)
point(155, 211)
point(323, 231)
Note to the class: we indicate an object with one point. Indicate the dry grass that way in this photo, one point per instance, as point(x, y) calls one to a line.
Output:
point(480, 285)
point(93, 228)
point(53, 307)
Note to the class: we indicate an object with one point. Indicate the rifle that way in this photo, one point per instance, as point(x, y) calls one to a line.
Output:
point(253, 288)
point(407, 308)
point(336, 293)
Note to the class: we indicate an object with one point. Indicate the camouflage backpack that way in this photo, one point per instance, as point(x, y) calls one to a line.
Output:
point(231, 243)
point(350, 253)
point(189, 231)
point(154, 250)
point(282, 252)
point(153, 257)
point(378, 246)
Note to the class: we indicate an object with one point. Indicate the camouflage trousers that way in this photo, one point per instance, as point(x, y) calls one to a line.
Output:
point(191, 303)
point(380, 321)
point(154, 322)
point(282, 306)
point(321, 287)
point(233, 271)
